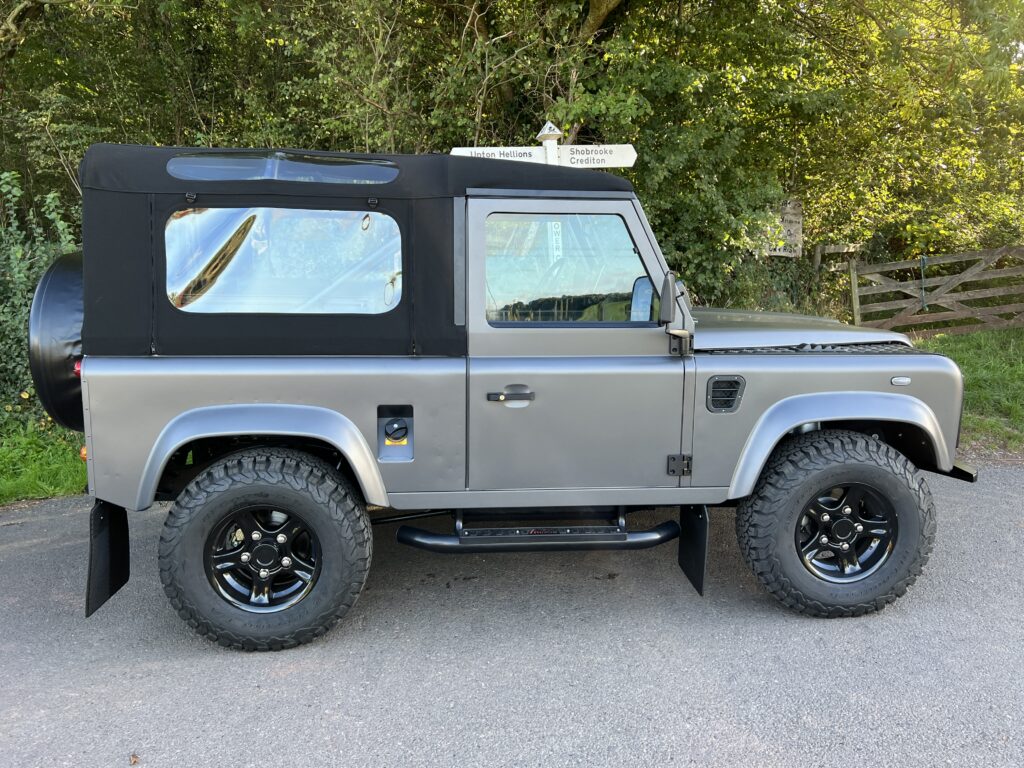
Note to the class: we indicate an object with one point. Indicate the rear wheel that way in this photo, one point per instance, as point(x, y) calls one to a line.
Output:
point(265, 549)
point(840, 524)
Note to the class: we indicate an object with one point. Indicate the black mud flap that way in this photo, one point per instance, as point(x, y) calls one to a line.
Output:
point(108, 554)
point(693, 544)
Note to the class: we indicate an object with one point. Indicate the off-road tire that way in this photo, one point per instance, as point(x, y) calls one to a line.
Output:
point(327, 504)
point(802, 466)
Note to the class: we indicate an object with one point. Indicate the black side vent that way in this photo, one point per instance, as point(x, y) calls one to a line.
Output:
point(725, 393)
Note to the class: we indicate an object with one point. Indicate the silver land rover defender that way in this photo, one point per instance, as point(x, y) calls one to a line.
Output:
point(293, 346)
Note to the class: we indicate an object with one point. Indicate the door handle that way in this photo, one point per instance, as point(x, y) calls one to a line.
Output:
point(501, 397)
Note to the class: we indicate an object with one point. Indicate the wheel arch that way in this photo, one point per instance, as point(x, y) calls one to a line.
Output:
point(903, 421)
point(299, 426)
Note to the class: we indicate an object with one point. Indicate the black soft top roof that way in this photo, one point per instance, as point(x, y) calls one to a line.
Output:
point(137, 168)
point(129, 196)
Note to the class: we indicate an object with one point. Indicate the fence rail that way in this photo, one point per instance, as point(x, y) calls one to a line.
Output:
point(925, 305)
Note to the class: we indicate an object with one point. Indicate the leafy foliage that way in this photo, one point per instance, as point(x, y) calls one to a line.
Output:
point(897, 122)
point(29, 241)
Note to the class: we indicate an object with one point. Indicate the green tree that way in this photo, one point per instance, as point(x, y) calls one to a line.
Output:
point(896, 122)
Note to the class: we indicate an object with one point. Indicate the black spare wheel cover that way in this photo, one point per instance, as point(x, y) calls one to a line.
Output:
point(55, 340)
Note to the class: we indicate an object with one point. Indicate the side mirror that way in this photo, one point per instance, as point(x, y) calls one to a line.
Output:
point(667, 315)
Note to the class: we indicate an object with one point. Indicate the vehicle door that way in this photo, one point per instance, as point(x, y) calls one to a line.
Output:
point(571, 381)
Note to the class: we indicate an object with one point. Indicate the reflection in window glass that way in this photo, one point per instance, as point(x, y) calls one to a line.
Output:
point(564, 268)
point(283, 260)
point(282, 166)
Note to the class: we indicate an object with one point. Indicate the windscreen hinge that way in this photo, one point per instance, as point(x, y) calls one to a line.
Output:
point(680, 343)
point(679, 465)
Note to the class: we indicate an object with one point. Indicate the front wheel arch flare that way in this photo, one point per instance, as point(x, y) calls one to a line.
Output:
point(832, 410)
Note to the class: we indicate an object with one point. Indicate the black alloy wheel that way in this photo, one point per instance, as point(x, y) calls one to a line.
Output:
point(263, 559)
point(839, 524)
point(265, 549)
point(846, 533)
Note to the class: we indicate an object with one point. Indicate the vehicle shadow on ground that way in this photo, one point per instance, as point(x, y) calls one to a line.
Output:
point(423, 593)
point(419, 594)
point(529, 580)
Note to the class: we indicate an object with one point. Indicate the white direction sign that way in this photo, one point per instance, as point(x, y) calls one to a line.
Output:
point(523, 154)
point(791, 221)
point(572, 155)
point(597, 155)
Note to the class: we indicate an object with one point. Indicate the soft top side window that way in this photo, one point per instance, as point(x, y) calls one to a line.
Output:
point(283, 261)
point(280, 166)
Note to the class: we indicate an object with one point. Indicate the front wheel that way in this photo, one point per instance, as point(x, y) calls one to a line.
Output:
point(266, 549)
point(840, 524)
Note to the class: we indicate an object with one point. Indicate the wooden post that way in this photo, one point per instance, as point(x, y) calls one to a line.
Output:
point(817, 259)
point(853, 291)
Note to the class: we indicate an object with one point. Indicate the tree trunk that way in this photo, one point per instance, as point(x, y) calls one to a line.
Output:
point(12, 28)
point(596, 16)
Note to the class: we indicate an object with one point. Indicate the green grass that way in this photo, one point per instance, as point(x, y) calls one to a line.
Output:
point(39, 463)
point(993, 367)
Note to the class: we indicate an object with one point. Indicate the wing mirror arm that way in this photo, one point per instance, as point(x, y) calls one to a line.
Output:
point(680, 341)
point(669, 293)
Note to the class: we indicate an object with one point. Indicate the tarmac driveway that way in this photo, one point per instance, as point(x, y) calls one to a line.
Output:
point(541, 659)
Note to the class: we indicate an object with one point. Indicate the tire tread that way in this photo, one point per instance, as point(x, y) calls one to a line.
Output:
point(757, 516)
point(273, 466)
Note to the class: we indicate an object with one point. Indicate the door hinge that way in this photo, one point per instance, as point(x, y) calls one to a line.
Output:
point(680, 464)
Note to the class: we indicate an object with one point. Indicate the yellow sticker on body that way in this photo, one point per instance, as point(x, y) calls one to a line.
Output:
point(389, 441)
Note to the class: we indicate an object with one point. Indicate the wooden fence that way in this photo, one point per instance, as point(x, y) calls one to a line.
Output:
point(966, 292)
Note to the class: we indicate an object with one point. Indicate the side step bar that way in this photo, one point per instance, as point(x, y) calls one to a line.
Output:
point(547, 538)
point(534, 536)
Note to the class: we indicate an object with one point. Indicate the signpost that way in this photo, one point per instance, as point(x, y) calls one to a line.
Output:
point(552, 153)
point(522, 154)
point(791, 220)
point(597, 155)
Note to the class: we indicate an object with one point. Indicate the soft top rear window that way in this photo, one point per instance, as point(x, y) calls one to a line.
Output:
point(281, 166)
